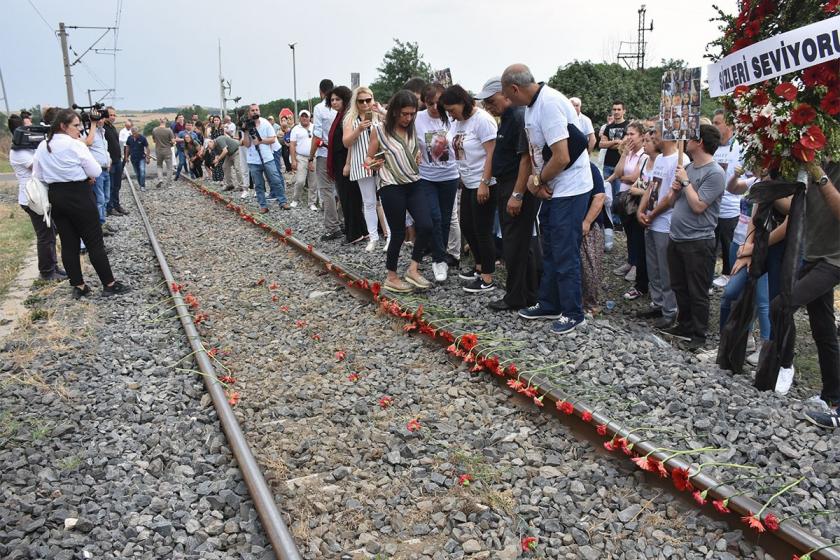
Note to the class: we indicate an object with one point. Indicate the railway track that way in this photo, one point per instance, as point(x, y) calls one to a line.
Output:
point(274, 291)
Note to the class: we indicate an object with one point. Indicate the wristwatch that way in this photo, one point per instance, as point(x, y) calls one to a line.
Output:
point(485, 182)
point(685, 183)
point(823, 181)
point(516, 195)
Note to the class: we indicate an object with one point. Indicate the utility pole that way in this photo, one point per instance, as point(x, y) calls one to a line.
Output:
point(68, 77)
point(294, 78)
point(222, 107)
point(3, 89)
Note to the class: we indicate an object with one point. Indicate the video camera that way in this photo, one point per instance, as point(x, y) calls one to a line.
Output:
point(91, 113)
point(28, 137)
point(248, 124)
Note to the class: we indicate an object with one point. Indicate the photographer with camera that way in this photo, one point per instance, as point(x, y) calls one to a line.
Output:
point(112, 136)
point(94, 137)
point(68, 169)
point(21, 158)
point(259, 138)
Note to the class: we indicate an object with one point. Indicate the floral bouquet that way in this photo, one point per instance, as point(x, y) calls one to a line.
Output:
point(790, 123)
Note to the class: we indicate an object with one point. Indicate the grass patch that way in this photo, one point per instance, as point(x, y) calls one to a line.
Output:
point(16, 235)
point(69, 463)
point(5, 166)
point(39, 314)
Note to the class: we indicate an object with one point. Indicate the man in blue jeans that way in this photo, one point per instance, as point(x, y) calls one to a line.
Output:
point(564, 187)
point(137, 148)
point(262, 138)
point(112, 137)
point(98, 146)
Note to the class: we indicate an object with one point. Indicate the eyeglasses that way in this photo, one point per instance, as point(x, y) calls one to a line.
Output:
point(365, 101)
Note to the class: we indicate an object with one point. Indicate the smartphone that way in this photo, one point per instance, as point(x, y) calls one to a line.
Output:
point(368, 115)
point(379, 155)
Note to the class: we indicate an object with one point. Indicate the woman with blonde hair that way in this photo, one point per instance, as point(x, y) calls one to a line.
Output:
point(362, 114)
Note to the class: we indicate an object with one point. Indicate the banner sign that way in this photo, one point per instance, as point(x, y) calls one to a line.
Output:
point(679, 105)
point(443, 77)
point(789, 52)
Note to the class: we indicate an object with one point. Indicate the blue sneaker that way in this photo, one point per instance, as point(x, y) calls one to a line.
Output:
point(824, 419)
point(564, 325)
point(534, 312)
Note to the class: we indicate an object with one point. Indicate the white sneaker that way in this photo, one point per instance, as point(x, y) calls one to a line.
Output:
point(784, 380)
point(608, 240)
point(313, 207)
point(752, 359)
point(244, 194)
point(816, 401)
point(631, 274)
point(721, 281)
point(371, 245)
point(440, 271)
point(387, 242)
point(293, 204)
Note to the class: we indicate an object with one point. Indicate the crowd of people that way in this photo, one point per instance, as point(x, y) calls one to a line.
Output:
point(507, 175)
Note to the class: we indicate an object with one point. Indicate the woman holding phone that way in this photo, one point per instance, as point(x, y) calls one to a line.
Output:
point(473, 139)
point(394, 154)
point(338, 168)
point(361, 116)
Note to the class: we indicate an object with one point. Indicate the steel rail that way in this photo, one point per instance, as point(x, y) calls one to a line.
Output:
point(792, 538)
point(272, 522)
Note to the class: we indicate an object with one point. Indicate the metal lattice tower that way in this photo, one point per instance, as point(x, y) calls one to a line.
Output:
point(635, 53)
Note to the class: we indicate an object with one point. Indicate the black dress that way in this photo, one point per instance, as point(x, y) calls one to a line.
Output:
point(218, 173)
point(348, 191)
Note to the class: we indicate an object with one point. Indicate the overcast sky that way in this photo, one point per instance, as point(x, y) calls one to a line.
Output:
point(169, 54)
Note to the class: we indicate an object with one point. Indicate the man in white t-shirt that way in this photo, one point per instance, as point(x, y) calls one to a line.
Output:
point(262, 138)
point(300, 144)
point(21, 159)
point(125, 133)
point(585, 122)
point(655, 215)
point(564, 185)
point(728, 156)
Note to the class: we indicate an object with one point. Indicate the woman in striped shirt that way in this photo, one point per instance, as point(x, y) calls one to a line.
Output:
point(394, 154)
point(361, 115)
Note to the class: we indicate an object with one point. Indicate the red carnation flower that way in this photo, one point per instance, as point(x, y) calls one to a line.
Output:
point(375, 288)
point(539, 401)
point(530, 392)
point(681, 481)
point(413, 425)
point(753, 522)
point(643, 463)
point(660, 468)
point(602, 429)
point(340, 355)
point(469, 341)
point(385, 402)
point(565, 407)
point(720, 506)
point(515, 384)
point(586, 416)
point(233, 398)
point(353, 377)
point(786, 90)
point(528, 544)
point(771, 521)
point(699, 497)
point(511, 370)
point(465, 479)
point(803, 114)
point(288, 231)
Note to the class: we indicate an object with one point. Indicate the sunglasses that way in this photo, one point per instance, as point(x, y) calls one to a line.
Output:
point(365, 101)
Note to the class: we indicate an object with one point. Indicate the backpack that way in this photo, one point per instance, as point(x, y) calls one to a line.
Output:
point(37, 198)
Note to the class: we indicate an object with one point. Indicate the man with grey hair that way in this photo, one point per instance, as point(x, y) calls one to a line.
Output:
point(164, 139)
point(588, 130)
point(137, 149)
point(564, 185)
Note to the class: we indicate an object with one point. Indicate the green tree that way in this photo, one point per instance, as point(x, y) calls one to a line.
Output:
point(599, 84)
point(402, 62)
point(149, 127)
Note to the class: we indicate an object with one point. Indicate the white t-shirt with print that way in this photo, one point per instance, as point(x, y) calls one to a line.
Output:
point(467, 139)
point(303, 140)
point(662, 177)
point(437, 160)
point(547, 122)
point(728, 157)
